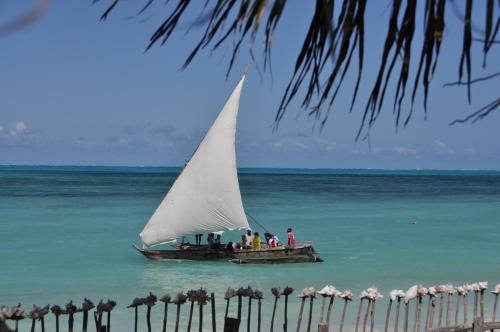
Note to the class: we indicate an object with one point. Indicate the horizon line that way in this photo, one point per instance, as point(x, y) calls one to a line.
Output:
point(259, 167)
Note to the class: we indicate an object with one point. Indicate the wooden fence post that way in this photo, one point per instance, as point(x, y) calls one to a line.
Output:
point(387, 316)
point(457, 309)
point(212, 300)
point(358, 315)
point(396, 320)
point(477, 324)
point(365, 320)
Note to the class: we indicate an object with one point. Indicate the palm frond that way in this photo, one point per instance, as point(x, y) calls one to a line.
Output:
point(337, 36)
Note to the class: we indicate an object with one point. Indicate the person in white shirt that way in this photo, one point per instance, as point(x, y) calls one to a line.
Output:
point(249, 238)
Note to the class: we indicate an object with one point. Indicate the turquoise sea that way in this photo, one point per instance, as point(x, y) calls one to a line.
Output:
point(66, 233)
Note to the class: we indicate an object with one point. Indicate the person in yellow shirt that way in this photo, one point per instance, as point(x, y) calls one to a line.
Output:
point(256, 243)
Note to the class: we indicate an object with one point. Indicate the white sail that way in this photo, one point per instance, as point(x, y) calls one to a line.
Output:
point(206, 196)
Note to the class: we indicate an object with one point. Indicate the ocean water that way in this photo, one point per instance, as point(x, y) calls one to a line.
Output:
point(66, 233)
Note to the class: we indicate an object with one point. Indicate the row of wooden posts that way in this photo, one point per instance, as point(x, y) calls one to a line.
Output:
point(444, 298)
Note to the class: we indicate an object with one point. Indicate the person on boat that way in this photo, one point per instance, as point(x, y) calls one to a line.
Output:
point(291, 237)
point(249, 238)
point(256, 242)
point(198, 239)
point(272, 241)
point(268, 237)
point(243, 244)
point(211, 241)
point(276, 240)
point(217, 242)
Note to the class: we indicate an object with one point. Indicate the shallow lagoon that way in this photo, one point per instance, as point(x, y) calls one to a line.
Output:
point(67, 233)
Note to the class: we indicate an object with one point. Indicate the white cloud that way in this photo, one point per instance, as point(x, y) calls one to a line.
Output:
point(285, 143)
point(300, 132)
point(441, 147)
point(19, 128)
point(440, 144)
point(326, 145)
point(403, 150)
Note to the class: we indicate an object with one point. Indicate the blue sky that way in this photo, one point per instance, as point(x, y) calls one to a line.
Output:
point(74, 90)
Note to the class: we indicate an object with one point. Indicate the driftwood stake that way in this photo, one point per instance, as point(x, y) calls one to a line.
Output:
point(258, 295)
point(249, 313)
point(149, 301)
point(227, 307)
point(309, 321)
point(135, 304)
point(322, 315)
point(495, 306)
point(108, 307)
point(493, 317)
point(70, 309)
point(342, 319)
point(418, 310)
point(259, 314)
point(481, 304)
point(136, 314)
point(433, 310)
point(192, 296)
point(200, 326)
point(441, 308)
point(84, 322)
point(286, 292)
point(396, 321)
point(475, 304)
point(388, 316)
point(212, 301)
point(274, 313)
point(276, 292)
point(165, 313)
point(365, 320)
point(358, 315)
point(96, 320)
point(166, 299)
point(57, 311)
point(465, 309)
point(457, 308)
point(190, 319)
point(430, 306)
point(179, 300)
point(448, 310)
point(301, 311)
point(239, 306)
point(177, 317)
point(330, 308)
point(285, 320)
point(407, 311)
point(372, 317)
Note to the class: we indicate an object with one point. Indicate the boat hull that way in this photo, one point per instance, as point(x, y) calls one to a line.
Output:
point(277, 259)
point(187, 254)
point(298, 254)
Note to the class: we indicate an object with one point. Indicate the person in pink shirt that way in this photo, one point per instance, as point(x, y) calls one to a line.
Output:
point(291, 238)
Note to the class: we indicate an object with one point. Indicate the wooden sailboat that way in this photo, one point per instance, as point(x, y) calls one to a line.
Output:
point(205, 198)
